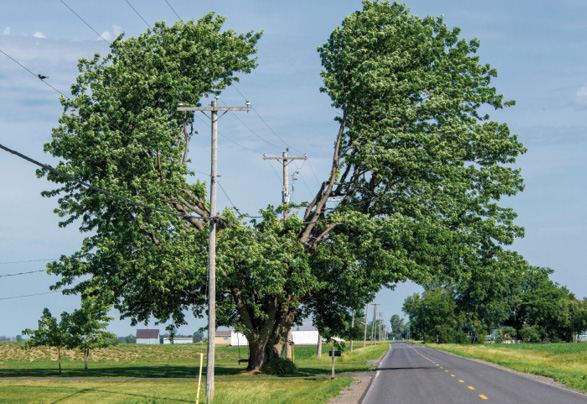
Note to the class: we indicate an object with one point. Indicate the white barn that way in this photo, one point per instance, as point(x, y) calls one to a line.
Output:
point(148, 337)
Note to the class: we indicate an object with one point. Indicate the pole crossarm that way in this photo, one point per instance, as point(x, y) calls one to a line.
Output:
point(216, 109)
point(285, 161)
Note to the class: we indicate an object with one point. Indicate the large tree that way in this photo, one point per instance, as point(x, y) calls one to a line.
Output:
point(418, 170)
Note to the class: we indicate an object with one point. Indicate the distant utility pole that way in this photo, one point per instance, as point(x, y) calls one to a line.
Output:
point(352, 330)
point(365, 337)
point(285, 190)
point(213, 108)
point(373, 329)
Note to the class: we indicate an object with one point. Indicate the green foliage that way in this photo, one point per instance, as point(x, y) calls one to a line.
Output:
point(121, 131)
point(432, 316)
point(52, 333)
point(398, 327)
point(418, 169)
point(279, 366)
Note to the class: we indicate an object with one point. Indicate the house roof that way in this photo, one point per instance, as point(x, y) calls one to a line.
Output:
point(223, 333)
point(147, 334)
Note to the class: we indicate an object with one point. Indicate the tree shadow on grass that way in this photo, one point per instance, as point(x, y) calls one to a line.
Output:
point(77, 394)
point(131, 372)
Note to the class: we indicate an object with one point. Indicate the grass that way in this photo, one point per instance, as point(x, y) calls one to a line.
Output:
point(565, 363)
point(128, 367)
point(165, 361)
point(296, 391)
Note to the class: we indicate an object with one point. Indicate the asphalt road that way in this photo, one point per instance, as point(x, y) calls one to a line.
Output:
point(418, 375)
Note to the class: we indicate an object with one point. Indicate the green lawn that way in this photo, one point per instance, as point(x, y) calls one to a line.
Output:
point(114, 391)
point(565, 363)
point(141, 362)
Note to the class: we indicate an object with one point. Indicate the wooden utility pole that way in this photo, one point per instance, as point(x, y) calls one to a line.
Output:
point(285, 190)
point(213, 108)
point(365, 337)
point(352, 329)
point(373, 329)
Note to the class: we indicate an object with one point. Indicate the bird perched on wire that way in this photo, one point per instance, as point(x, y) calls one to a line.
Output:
point(42, 77)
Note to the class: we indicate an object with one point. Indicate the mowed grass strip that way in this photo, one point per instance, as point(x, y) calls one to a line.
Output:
point(564, 362)
point(277, 391)
point(166, 361)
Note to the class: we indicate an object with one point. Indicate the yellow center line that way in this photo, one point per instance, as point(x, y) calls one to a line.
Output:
point(446, 370)
point(483, 397)
point(452, 375)
point(471, 387)
point(461, 381)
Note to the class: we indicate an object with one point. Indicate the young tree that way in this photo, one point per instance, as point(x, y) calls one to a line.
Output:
point(51, 333)
point(87, 328)
point(417, 167)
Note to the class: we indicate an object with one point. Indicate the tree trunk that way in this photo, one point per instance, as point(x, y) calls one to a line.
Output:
point(319, 348)
point(59, 358)
point(269, 338)
point(86, 354)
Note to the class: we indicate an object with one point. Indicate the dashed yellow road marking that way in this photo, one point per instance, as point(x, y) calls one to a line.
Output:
point(461, 381)
point(446, 370)
point(483, 397)
point(471, 387)
point(452, 375)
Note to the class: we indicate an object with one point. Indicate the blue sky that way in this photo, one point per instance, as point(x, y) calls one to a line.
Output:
point(538, 48)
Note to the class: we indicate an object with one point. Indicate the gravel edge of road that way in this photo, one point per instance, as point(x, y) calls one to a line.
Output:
point(356, 392)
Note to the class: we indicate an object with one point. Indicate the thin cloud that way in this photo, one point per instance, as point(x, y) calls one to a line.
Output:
point(39, 35)
point(582, 95)
point(6, 31)
point(109, 36)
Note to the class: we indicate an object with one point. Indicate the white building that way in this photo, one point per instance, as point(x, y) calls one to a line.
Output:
point(178, 340)
point(306, 334)
point(148, 337)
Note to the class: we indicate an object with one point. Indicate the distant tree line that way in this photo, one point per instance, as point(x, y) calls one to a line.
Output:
point(518, 304)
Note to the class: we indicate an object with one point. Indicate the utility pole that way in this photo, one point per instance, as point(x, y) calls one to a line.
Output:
point(213, 108)
point(365, 337)
point(373, 329)
point(352, 330)
point(285, 190)
point(285, 200)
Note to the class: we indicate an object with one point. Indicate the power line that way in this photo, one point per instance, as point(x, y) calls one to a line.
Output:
point(23, 296)
point(228, 197)
point(252, 131)
point(47, 167)
point(84, 21)
point(22, 262)
point(135, 10)
point(28, 70)
point(172, 9)
point(23, 273)
point(264, 121)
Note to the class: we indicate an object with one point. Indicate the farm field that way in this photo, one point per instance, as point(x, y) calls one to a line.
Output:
point(564, 362)
point(126, 373)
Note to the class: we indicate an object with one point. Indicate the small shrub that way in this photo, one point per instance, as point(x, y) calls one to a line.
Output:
point(279, 366)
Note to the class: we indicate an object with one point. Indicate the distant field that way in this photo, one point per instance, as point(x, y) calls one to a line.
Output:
point(141, 362)
point(565, 363)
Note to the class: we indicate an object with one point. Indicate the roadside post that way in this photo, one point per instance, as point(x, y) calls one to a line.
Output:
point(333, 354)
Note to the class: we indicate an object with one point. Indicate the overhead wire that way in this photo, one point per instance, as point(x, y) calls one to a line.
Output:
point(32, 295)
point(137, 13)
point(27, 261)
point(23, 273)
point(84, 21)
point(90, 186)
point(172, 9)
